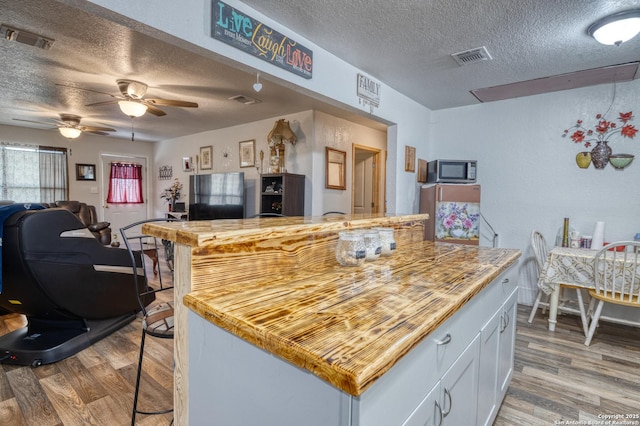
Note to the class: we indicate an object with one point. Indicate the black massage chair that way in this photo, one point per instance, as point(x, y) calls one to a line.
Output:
point(73, 290)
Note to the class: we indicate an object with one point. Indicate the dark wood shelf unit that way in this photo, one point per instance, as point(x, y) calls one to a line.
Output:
point(288, 195)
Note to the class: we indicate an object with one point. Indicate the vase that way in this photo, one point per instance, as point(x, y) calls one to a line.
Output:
point(600, 155)
point(457, 232)
point(583, 159)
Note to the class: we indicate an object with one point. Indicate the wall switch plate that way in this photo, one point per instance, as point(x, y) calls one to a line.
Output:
point(94, 189)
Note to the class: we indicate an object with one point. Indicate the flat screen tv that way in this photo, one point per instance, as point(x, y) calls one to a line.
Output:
point(216, 196)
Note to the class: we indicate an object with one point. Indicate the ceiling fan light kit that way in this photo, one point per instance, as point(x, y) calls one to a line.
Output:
point(617, 28)
point(69, 132)
point(132, 109)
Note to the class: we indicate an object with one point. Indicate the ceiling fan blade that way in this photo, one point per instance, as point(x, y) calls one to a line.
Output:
point(173, 102)
point(152, 109)
point(36, 122)
point(96, 129)
point(103, 103)
point(86, 90)
point(95, 132)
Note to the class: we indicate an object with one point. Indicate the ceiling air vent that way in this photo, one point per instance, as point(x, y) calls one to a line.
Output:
point(472, 56)
point(247, 100)
point(25, 37)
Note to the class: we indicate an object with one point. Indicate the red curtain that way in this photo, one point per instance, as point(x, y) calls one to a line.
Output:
point(125, 184)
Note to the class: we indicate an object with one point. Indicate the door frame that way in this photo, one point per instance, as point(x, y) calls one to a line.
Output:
point(378, 194)
point(104, 177)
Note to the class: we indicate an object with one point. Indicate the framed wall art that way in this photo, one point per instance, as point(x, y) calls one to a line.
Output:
point(422, 170)
point(247, 153)
point(206, 157)
point(335, 169)
point(187, 164)
point(409, 159)
point(85, 171)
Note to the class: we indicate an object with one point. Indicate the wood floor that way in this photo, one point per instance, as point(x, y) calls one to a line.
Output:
point(556, 378)
point(95, 386)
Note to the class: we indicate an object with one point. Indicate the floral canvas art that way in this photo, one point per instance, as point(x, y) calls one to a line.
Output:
point(458, 220)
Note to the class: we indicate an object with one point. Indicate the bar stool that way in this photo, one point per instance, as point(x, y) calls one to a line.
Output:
point(157, 321)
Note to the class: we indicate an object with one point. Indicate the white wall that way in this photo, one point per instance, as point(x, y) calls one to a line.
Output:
point(339, 134)
point(528, 172)
point(314, 131)
point(85, 149)
point(298, 157)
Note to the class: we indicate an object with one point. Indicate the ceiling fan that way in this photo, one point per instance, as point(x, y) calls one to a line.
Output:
point(70, 127)
point(132, 101)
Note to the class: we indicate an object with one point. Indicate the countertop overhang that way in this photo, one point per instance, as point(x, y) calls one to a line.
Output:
point(346, 325)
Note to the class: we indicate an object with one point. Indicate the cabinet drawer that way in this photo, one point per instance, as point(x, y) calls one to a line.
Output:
point(454, 335)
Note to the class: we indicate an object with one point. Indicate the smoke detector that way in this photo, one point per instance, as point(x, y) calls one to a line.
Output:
point(472, 56)
point(25, 37)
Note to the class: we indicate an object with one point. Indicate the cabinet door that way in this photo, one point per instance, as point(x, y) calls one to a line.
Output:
point(507, 343)
point(488, 374)
point(429, 412)
point(459, 388)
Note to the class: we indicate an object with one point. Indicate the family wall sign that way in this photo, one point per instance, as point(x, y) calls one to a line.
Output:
point(241, 31)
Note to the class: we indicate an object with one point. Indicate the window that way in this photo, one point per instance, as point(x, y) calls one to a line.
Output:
point(31, 173)
point(125, 183)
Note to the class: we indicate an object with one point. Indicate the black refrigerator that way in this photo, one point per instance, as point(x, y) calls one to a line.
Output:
point(216, 196)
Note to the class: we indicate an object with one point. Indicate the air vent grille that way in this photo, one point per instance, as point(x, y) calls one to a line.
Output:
point(247, 100)
point(472, 56)
point(25, 37)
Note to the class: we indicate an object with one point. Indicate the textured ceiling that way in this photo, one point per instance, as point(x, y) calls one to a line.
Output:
point(406, 44)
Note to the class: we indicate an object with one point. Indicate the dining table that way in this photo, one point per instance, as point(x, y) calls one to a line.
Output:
point(568, 266)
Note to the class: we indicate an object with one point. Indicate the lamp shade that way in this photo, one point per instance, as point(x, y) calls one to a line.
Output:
point(132, 109)
point(69, 132)
point(617, 28)
point(281, 132)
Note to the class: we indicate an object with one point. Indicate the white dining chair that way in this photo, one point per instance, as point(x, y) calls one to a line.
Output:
point(617, 280)
point(541, 251)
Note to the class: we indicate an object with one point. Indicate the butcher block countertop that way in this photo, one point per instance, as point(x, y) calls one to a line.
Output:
point(346, 325)
point(229, 231)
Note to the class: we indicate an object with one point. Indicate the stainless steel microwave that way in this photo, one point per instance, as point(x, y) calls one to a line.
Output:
point(452, 171)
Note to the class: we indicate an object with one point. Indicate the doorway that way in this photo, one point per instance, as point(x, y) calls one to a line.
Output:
point(368, 172)
point(120, 215)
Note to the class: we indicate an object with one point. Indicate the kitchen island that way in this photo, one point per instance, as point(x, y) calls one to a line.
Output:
point(279, 333)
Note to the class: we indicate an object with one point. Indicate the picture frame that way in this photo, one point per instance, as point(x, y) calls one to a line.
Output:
point(409, 159)
point(422, 170)
point(85, 171)
point(187, 164)
point(335, 168)
point(247, 153)
point(206, 157)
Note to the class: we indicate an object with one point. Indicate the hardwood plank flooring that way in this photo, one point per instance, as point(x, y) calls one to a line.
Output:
point(94, 386)
point(556, 378)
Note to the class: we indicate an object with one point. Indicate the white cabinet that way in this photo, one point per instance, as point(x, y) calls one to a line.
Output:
point(497, 339)
point(429, 412)
point(507, 343)
point(459, 396)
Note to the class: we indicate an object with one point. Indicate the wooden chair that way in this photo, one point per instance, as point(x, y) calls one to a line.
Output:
point(617, 280)
point(157, 320)
point(541, 251)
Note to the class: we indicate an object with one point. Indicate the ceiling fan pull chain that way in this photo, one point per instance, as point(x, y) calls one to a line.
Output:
point(132, 129)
